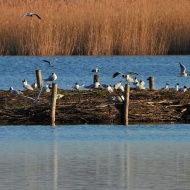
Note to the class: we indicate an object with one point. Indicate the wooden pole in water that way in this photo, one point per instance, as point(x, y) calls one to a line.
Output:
point(39, 78)
point(53, 104)
point(96, 78)
point(151, 83)
point(126, 104)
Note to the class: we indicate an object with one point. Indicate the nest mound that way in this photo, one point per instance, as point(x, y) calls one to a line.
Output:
point(95, 107)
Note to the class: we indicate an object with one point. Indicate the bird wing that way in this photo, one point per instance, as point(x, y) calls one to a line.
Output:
point(23, 15)
point(46, 61)
point(36, 15)
point(116, 74)
point(183, 68)
point(133, 73)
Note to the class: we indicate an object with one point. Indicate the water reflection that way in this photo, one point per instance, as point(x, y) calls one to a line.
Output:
point(95, 157)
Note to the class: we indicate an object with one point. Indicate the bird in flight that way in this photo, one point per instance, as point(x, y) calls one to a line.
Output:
point(51, 63)
point(183, 70)
point(127, 76)
point(31, 14)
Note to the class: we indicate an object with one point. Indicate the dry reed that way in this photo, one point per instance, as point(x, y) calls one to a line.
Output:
point(95, 27)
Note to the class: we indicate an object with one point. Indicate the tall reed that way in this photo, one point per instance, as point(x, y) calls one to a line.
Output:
point(95, 27)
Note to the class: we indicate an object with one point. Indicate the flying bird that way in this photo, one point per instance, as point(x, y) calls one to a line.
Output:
point(127, 76)
point(30, 15)
point(183, 70)
point(51, 63)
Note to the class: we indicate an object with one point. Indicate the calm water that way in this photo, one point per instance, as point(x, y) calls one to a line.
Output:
point(78, 69)
point(95, 157)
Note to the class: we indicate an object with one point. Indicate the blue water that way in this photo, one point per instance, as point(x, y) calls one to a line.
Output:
point(95, 157)
point(72, 69)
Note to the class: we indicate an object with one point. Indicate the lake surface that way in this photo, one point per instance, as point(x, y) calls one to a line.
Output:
point(72, 69)
point(94, 157)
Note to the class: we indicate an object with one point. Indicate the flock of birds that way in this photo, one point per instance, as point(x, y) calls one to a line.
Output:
point(130, 78)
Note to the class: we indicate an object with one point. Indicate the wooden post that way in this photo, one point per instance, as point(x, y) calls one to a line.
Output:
point(53, 104)
point(96, 78)
point(39, 78)
point(126, 104)
point(151, 83)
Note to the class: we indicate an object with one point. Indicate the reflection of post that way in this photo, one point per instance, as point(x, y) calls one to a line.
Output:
point(126, 104)
point(55, 162)
point(53, 103)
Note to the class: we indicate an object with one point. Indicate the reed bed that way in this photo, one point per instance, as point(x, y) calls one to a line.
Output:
point(95, 27)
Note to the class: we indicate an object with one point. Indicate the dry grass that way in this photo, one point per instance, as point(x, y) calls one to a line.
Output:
point(95, 27)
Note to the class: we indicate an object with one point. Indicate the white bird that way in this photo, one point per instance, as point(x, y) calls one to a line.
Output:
point(109, 88)
point(30, 15)
point(118, 98)
point(51, 63)
point(51, 77)
point(15, 92)
point(117, 85)
point(26, 85)
point(127, 77)
point(59, 96)
point(140, 85)
point(184, 89)
point(166, 87)
point(176, 87)
point(95, 70)
point(183, 70)
point(34, 85)
point(46, 88)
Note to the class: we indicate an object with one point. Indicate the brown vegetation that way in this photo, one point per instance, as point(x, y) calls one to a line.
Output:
point(95, 107)
point(95, 27)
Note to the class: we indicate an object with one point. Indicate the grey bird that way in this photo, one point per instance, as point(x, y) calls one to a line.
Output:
point(51, 63)
point(51, 77)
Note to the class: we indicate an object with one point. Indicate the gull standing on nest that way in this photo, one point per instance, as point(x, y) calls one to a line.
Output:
point(31, 14)
point(15, 92)
point(183, 70)
point(26, 85)
point(127, 77)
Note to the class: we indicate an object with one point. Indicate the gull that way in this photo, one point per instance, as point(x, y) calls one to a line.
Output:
point(109, 88)
point(51, 64)
point(140, 85)
point(51, 78)
point(166, 87)
point(35, 100)
point(184, 89)
point(34, 85)
point(127, 77)
point(176, 87)
point(15, 92)
point(46, 88)
point(59, 96)
point(76, 86)
point(30, 15)
point(26, 85)
point(183, 70)
point(95, 70)
point(116, 86)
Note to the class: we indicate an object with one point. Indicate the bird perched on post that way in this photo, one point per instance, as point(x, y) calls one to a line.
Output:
point(127, 77)
point(183, 70)
point(51, 78)
point(30, 15)
point(95, 70)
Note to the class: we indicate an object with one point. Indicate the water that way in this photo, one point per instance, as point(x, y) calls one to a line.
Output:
point(95, 157)
point(72, 69)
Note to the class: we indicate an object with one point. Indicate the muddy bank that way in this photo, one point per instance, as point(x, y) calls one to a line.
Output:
point(95, 107)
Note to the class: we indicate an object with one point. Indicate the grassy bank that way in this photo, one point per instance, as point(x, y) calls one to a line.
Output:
point(95, 27)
